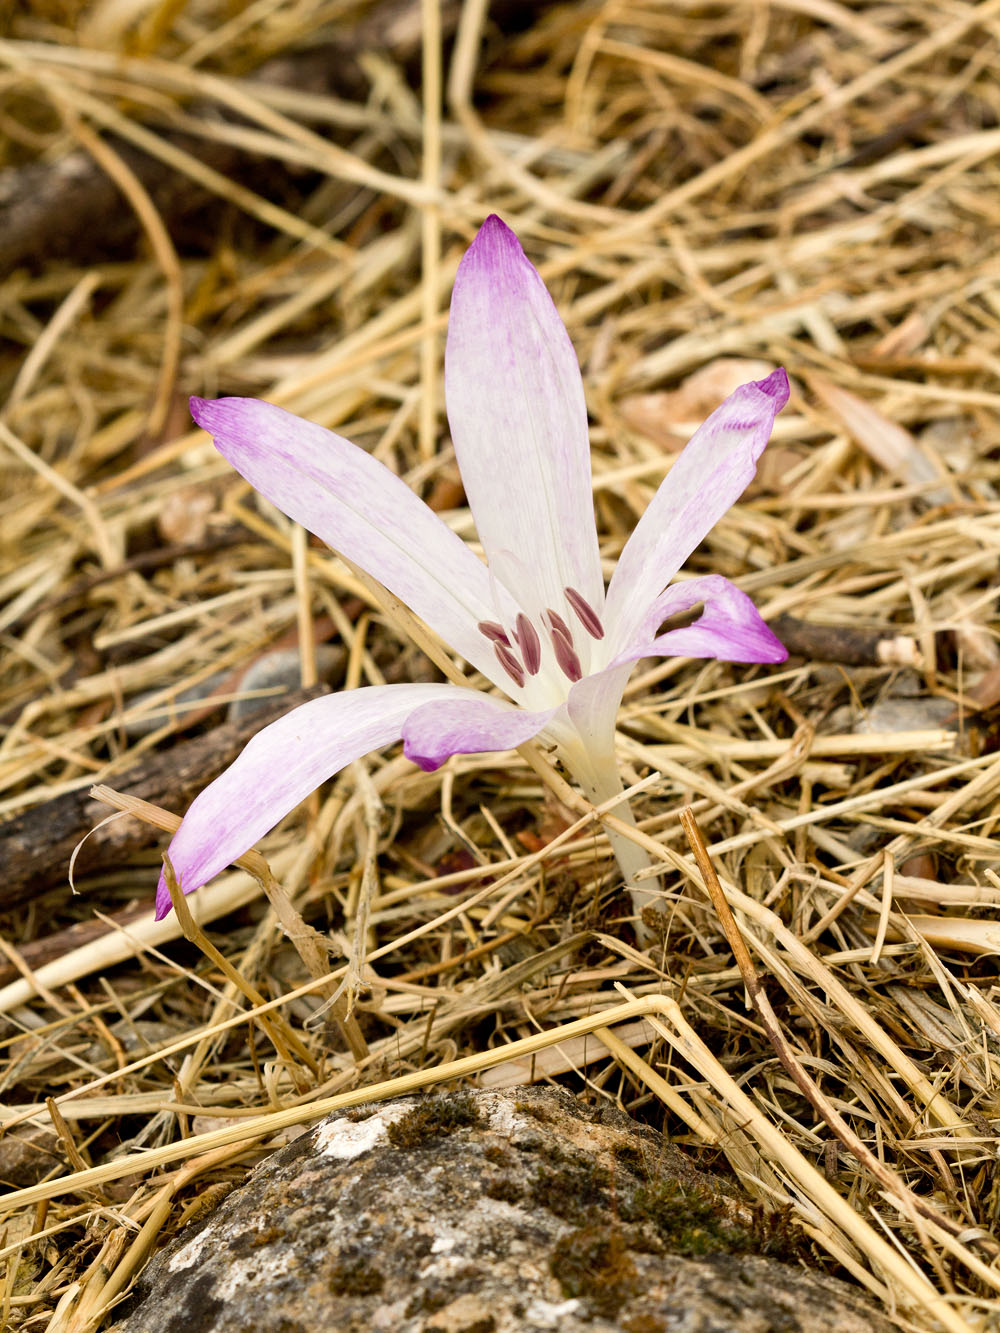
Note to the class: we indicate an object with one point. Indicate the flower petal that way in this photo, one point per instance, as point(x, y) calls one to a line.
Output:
point(710, 475)
point(362, 510)
point(592, 707)
point(730, 627)
point(519, 422)
point(470, 724)
point(279, 767)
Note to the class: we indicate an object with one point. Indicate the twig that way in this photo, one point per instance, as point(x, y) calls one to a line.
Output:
point(284, 1039)
point(35, 847)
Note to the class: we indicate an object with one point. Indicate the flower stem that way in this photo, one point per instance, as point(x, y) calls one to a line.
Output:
point(600, 783)
point(596, 771)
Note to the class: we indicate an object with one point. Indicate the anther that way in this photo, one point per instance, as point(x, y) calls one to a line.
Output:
point(586, 614)
point(562, 638)
point(494, 632)
point(568, 661)
point(529, 644)
point(509, 663)
point(558, 626)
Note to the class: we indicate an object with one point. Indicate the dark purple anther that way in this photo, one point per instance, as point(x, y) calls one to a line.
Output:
point(558, 626)
point(562, 639)
point(568, 661)
point(586, 614)
point(494, 632)
point(509, 663)
point(529, 644)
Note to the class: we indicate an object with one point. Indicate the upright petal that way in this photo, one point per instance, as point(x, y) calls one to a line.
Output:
point(711, 474)
point(519, 422)
point(280, 767)
point(730, 628)
point(467, 724)
point(592, 708)
point(362, 510)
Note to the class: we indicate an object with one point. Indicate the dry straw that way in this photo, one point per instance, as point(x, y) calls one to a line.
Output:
point(709, 192)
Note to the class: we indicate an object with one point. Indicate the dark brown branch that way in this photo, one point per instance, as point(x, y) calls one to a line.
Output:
point(36, 846)
point(70, 209)
point(848, 644)
point(36, 953)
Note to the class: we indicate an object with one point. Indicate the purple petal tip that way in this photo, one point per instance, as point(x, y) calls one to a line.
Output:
point(494, 229)
point(429, 763)
point(198, 409)
point(777, 650)
point(494, 244)
point(775, 386)
point(163, 904)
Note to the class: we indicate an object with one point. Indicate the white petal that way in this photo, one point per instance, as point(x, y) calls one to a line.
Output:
point(279, 767)
point(711, 474)
point(519, 424)
point(592, 707)
point(362, 510)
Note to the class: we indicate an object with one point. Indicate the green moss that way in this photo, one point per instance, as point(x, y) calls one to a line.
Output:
point(572, 1191)
point(644, 1323)
point(594, 1263)
point(689, 1219)
point(630, 1158)
point(441, 1115)
point(504, 1189)
point(353, 1275)
point(535, 1111)
point(778, 1235)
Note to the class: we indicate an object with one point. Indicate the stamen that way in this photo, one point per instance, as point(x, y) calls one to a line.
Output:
point(529, 644)
point(568, 661)
point(557, 636)
point(509, 663)
point(494, 632)
point(586, 614)
point(558, 625)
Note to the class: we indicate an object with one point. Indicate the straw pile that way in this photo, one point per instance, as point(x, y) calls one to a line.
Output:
point(265, 199)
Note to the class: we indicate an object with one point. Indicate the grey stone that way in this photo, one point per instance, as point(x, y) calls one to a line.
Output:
point(489, 1212)
point(281, 669)
point(277, 670)
point(28, 1154)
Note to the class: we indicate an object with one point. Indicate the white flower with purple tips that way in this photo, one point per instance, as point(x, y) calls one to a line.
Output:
point(535, 618)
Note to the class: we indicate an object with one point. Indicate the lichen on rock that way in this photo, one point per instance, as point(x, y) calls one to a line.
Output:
point(484, 1212)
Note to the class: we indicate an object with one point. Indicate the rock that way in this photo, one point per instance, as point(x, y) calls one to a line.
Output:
point(277, 670)
point(27, 1155)
point(902, 715)
point(281, 669)
point(486, 1212)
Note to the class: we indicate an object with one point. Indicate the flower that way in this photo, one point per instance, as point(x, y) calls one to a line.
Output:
point(535, 619)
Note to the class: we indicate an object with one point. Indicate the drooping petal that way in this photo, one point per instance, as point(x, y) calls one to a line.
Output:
point(362, 510)
point(710, 475)
point(730, 627)
point(279, 767)
point(519, 422)
point(470, 724)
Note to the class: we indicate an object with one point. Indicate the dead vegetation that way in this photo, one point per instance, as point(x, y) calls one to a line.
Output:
point(709, 191)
